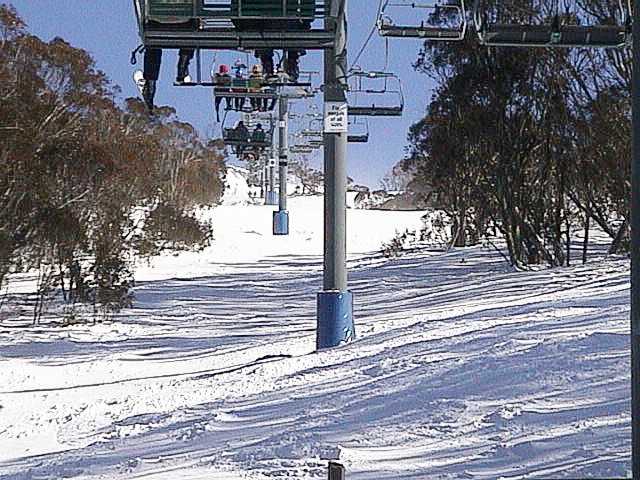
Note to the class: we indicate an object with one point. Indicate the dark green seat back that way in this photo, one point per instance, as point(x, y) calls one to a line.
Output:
point(301, 8)
point(273, 8)
point(171, 10)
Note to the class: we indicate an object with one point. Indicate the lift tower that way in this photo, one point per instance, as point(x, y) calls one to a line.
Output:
point(281, 217)
point(289, 25)
point(335, 302)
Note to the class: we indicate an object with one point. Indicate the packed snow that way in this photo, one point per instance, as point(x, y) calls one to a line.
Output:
point(463, 367)
point(237, 190)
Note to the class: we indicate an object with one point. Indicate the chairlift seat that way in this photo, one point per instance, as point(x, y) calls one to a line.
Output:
point(300, 149)
point(361, 138)
point(227, 92)
point(264, 86)
point(311, 133)
point(262, 144)
point(375, 111)
point(247, 144)
point(426, 33)
point(597, 36)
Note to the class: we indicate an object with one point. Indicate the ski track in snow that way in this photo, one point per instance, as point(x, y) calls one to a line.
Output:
point(463, 368)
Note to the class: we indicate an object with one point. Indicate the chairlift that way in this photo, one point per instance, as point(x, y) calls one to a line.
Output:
point(248, 138)
point(313, 130)
point(396, 19)
point(387, 100)
point(243, 89)
point(358, 130)
point(236, 24)
point(495, 29)
point(303, 149)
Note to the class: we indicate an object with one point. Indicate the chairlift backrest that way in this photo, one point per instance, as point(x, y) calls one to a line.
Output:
point(273, 8)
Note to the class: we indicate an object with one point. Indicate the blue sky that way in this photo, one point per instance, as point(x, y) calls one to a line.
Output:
point(107, 29)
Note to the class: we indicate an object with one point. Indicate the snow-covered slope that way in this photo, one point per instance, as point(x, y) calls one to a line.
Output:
point(463, 368)
point(243, 238)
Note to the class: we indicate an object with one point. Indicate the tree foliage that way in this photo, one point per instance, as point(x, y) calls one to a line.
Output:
point(526, 142)
point(87, 184)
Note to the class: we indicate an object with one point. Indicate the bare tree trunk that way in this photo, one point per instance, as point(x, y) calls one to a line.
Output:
point(568, 225)
point(585, 242)
point(460, 222)
point(620, 235)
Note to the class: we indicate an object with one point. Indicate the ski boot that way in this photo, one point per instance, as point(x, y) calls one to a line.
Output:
point(148, 93)
point(183, 70)
point(291, 66)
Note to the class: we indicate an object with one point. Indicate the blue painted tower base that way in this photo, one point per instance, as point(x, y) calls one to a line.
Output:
point(281, 222)
point(335, 319)
point(272, 198)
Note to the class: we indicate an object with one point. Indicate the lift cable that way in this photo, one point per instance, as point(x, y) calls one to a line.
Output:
point(366, 43)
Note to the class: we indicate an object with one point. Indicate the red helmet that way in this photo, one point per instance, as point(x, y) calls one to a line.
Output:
point(223, 69)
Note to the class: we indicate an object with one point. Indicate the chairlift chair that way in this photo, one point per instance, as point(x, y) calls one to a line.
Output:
point(313, 130)
point(241, 88)
point(495, 31)
point(358, 130)
point(236, 24)
point(303, 149)
point(250, 88)
point(253, 118)
point(231, 138)
point(406, 11)
point(388, 98)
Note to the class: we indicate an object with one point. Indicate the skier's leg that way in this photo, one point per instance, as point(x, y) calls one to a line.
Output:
point(184, 58)
point(292, 65)
point(218, 102)
point(266, 59)
point(152, 62)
